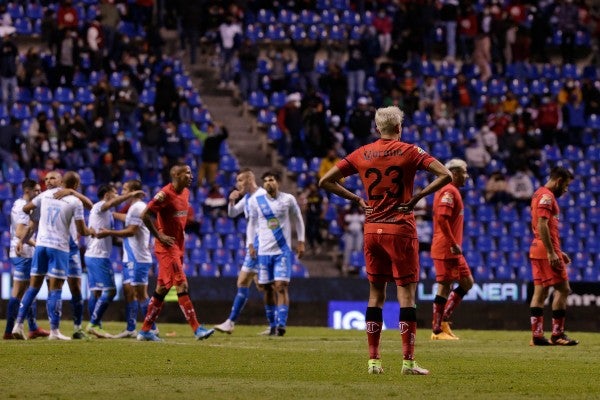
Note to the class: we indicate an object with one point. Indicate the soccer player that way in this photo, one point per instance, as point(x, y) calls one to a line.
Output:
point(101, 276)
point(51, 255)
point(387, 169)
point(446, 251)
point(136, 258)
point(21, 262)
point(548, 262)
point(270, 218)
point(165, 216)
point(246, 188)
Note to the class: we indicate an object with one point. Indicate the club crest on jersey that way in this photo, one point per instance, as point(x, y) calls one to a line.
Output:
point(546, 200)
point(273, 223)
point(420, 150)
point(447, 198)
point(160, 196)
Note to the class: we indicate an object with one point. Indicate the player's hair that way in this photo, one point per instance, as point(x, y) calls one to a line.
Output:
point(245, 170)
point(456, 163)
point(387, 118)
point(175, 168)
point(103, 189)
point(71, 180)
point(561, 172)
point(274, 174)
point(134, 184)
point(28, 184)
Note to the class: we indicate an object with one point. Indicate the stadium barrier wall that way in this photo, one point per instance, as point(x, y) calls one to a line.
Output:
point(340, 303)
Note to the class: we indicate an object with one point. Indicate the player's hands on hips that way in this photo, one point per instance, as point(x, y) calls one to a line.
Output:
point(566, 259)
point(408, 207)
point(251, 251)
point(455, 249)
point(300, 249)
point(166, 240)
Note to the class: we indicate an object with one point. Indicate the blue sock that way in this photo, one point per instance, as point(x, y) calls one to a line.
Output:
point(54, 308)
point(282, 315)
point(26, 302)
point(11, 313)
point(131, 314)
point(241, 298)
point(77, 303)
point(92, 304)
point(101, 306)
point(32, 317)
point(144, 308)
point(271, 312)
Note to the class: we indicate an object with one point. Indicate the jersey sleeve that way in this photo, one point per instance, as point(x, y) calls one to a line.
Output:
point(134, 216)
point(236, 209)
point(421, 157)
point(78, 215)
point(446, 204)
point(158, 202)
point(347, 166)
point(252, 228)
point(296, 215)
point(21, 217)
point(544, 206)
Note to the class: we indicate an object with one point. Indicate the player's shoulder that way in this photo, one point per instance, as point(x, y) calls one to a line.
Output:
point(20, 202)
point(259, 192)
point(288, 197)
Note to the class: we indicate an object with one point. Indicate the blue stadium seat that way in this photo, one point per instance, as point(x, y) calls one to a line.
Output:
point(448, 69)
point(277, 100)
point(87, 176)
point(84, 95)
point(228, 163)
point(496, 229)
point(20, 111)
point(222, 257)
point(423, 119)
point(42, 94)
point(14, 176)
point(147, 97)
point(63, 95)
point(569, 71)
point(233, 241)
point(258, 100)
point(23, 26)
point(6, 192)
point(224, 226)
point(357, 260)
point(516, 260)
point(265, 16)
point(508, 214)
point(507, 244)
point(481, 273)
point(209, 271)
point(504, 273)
point(211, 241)
point(296, 165)
point(485, 213)
point(485, 244)
point(538, 88)
point(571, 244)
point(334, 229)
point(299, 271)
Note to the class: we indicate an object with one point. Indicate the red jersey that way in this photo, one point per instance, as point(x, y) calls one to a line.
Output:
point(171, 209)
point(387, 169)
point(544, 205)
point(447, 202)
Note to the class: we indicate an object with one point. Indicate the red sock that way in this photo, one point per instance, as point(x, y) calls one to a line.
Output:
point(558, 326)
point(154, 308)
point(188, 310)
point(438, 311)
point(537, 326)
point(408, 330)
point(373, 338)
point(453, 301)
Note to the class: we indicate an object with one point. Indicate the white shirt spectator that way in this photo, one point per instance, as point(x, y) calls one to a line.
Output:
point(520, 186)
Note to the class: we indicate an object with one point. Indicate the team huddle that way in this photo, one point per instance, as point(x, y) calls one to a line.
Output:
point(387, 168)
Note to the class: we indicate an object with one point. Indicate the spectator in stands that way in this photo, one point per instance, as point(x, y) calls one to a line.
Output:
point(122, 151)
point(174, 149)
point(278, 76)
point(230, 34)
point(8, 70)
point(152, 138)
point(126, 102)
point(574, 122)
point(520, 187)
point(327, 162)
point(361, 120)
point(10, 144)
point(316, 134)
point(354, 221)
point(567, 15)
point(429, 97)
point(30, 65)
point(336, 86)
point(95, 40)
point(548, 119)
point(567, 91)
point(108, 170)
point(67, 16)
point(306, 50)
point(510, 103)
point(383, 25)
point(496, 189)
point(467, 31)
point(248, 56)
point(215, 204)
point(464, 100)
point(211, 153)
point(103, 100)
point(591, 96)
point(289, 121)
point(314, 217)
point(74, 129)
point(39, 135)
point(110, 23)
point(142, 11)
point(477, 157)
point(449, 17)
point(165, 102)
point(356, 69)
point(541, 30)
point(488, 139)
point(482, 56)
point(192, 21)
point(67, 57)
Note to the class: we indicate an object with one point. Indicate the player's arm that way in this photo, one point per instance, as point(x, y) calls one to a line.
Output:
point(331, 182)
point(128, 231)
point(82, 228)
point(87, 203)
point(24, 233)
point(544, 231)
point(235, 208)
point(149, 218)
point(119, 216)
point(117, 200)
point(444, 223)
point(444, 177)
point(296, 215)
point(251, 231)
point(29, 207)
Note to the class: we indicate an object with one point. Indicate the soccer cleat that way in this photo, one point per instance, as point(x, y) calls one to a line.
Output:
point(203, 333)
point(447, 330)
point(125, 334)
point(39, 332)
point(97, 331)
point(563, 340)
point(540, 341)
point(375, 367)
point(18, 332)
point(226, 327)
point(148, 336)
point(56, 335)
point(270, 331)
point(412, 368)
point(280, 331)
point(155, 331)
point(8, 336)
point(79, 334)
point(442, 336)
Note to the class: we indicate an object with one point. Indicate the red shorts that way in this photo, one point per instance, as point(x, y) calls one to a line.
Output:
point(545, 275)
point(392, 258)
point(451, 269)
point(170, 270)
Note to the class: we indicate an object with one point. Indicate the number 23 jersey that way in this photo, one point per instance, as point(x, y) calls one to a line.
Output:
point(387, 169)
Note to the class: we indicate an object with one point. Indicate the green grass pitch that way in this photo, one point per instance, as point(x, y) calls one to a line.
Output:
point(308, 363)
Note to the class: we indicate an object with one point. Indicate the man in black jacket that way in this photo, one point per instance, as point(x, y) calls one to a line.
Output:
point(211, 153)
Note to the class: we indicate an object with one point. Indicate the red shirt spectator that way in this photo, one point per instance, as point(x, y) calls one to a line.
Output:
point(67, 16)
